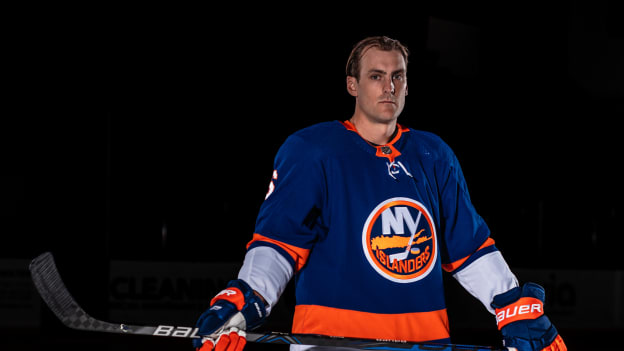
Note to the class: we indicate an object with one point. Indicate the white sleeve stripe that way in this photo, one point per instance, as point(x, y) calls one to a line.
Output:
point(267, 272)
point(487, 277)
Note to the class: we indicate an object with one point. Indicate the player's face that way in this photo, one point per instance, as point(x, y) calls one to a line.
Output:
point(382, 87)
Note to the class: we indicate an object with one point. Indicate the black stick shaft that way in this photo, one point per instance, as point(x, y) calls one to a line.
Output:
point(48, 282)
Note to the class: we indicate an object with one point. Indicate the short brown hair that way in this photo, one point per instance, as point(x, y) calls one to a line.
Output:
point(381, 42)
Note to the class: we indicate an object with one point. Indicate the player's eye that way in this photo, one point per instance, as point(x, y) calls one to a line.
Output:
point(398, 77)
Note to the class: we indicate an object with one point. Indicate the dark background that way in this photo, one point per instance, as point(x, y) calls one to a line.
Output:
point(123, 124)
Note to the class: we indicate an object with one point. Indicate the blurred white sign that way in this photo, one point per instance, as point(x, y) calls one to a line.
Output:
point(165, 292)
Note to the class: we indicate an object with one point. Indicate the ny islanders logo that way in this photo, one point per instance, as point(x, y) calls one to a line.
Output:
point(399, 240)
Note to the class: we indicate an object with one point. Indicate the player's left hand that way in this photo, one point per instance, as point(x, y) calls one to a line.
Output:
point(521, 320)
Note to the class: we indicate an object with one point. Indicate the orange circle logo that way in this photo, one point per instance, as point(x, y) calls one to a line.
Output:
point(399, 240)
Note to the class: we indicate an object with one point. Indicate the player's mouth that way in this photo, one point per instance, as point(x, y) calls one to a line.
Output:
point(387, 100)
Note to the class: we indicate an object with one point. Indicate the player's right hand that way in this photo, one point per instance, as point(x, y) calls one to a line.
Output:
point(230, 340)
point(235, 309)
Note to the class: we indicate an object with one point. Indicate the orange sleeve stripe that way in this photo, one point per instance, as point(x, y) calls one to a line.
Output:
point(299, 255)
point(449, 267)
point(416, 326)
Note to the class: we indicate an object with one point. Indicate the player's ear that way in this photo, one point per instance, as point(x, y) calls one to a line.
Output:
point(406, 90)
point(352, 86)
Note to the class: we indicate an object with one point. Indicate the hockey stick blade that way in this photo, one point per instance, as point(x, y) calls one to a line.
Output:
point(48, 282)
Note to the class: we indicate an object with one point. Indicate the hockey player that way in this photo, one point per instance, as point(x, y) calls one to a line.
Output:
point(366, 214)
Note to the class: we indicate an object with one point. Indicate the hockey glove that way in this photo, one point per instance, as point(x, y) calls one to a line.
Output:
point(521, 320)
point(234, 310)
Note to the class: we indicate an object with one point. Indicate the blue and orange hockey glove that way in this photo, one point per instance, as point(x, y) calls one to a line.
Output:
point(235, 309)
point(521, 320)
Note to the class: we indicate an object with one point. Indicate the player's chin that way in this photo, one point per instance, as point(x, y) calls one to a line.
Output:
point(388, 115)
point(390, 111)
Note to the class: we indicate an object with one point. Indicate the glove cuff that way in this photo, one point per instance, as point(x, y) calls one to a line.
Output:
point(523, 308)
point(510, 296)
point(242, 296)
point(231, 294)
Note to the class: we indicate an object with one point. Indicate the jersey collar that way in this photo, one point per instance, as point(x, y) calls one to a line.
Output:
point(386, 150)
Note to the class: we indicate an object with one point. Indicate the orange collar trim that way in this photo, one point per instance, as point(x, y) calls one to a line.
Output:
point(387, 150)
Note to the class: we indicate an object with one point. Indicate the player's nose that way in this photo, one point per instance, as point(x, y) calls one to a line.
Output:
point(388, 87)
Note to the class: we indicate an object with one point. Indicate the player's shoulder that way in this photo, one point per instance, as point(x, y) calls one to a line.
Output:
point(318, 131)
point(429, 144)
point(425, 137)
point(316, 137)
point(310, 143)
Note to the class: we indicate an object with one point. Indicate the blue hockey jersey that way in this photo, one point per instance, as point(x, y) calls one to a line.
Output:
point(369, 229)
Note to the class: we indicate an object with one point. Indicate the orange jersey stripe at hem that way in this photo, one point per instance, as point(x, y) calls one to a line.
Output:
point(416, 326)
point(299, 255)
point(449, 267)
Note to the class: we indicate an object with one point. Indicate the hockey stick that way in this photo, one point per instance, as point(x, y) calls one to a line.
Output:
point(48, 282)
point(403, 255)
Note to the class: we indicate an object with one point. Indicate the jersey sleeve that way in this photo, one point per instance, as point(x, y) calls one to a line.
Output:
point(466, 236)
point(486, 277)
point(290, 218)
point(467, 250)
point(267, 272)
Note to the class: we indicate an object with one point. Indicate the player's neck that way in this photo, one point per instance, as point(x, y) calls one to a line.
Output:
point(374, 132)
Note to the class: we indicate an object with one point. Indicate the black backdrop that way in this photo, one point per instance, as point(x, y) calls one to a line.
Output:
point(125, 126)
